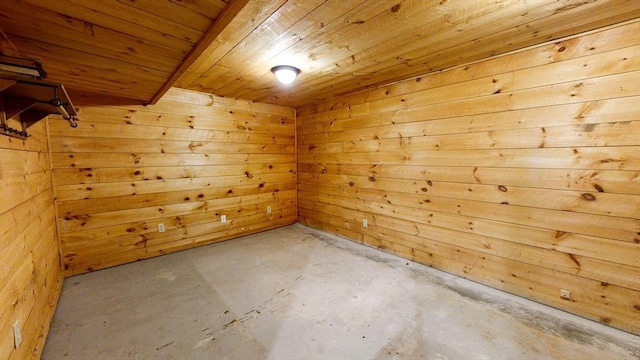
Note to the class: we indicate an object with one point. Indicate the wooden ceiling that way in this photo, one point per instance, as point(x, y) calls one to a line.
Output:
point(107, 50)
point(132, 51)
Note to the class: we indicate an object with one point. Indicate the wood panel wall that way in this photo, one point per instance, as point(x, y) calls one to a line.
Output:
point(30, 271)
point(520, 171)
point(183, 162)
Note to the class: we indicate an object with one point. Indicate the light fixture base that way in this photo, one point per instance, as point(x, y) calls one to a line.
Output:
point(285, 74)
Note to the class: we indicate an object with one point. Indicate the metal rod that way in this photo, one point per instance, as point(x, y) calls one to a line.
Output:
point(72, 121)
point(61, 108)
point(63, 112)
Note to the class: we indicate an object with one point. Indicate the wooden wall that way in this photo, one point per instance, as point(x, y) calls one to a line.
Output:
point(520, 171)
point(30, 271)
point(183, 162)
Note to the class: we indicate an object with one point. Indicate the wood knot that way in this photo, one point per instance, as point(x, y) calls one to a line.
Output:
point(141, 243)
point(588, 197)
point(424, 189)
point(372, 179)
point(560, 234)
point(502, 188)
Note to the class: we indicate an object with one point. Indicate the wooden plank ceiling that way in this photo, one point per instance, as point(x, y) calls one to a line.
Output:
point(132, 51)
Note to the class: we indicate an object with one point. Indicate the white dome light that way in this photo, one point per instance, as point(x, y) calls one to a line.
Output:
point(285, 73)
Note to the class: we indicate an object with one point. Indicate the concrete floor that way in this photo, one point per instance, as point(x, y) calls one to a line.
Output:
point(297, 293)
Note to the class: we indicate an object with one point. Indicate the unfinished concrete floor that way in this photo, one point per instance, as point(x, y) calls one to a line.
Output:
point(297, 293)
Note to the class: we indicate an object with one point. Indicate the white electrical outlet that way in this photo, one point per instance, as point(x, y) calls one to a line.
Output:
point(223, 218)
point(161, 228)
point(365, 223)
point(268, 209)
point(565, 294)
point(17, 334)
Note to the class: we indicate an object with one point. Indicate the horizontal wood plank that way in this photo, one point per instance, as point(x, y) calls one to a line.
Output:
point(99, 205)
point(31, 276)
point(609, 181)
point(182, 163)
point(519, 172)
point(105, 175)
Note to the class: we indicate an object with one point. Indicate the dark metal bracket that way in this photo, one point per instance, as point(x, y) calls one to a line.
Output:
point(32, 100)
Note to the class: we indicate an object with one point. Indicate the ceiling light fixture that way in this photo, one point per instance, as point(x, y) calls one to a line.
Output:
point(285, 73)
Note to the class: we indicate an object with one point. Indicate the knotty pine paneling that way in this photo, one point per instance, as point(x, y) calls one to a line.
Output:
point(31, 275)
point(520, 171)
point(183, 162)
point(347, 46)
point(105, 52)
